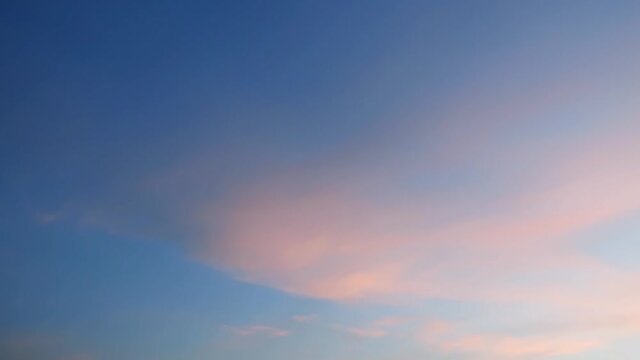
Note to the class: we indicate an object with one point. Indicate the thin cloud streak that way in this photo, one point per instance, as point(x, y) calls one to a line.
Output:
point(254, 330)
point(305, 318)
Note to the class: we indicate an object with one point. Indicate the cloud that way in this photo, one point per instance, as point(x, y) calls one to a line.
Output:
point(333, 242)
point(435, 330)
point(304, 318)
point(46, 218)
point(459, 204)
point(513, 335)
point(485, 203)
point(509, 347)
point(377, 328)
point(454, 338)
point(257, 330)
point(390, 321)
point(512, 238)
point(363, 332)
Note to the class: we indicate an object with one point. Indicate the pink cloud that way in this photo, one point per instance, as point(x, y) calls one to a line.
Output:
point(338, 241)
point(455, 338)
point(509, 347)
point(352, 236)
point(435, 330)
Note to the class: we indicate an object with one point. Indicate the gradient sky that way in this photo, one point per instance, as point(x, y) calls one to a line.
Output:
point(319, 180)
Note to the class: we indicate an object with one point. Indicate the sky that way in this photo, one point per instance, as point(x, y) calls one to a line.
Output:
point(320, 180)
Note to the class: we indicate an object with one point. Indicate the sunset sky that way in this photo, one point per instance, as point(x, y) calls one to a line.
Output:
point(320, 180)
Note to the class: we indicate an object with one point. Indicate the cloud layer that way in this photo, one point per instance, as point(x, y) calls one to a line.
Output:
point(484, 202)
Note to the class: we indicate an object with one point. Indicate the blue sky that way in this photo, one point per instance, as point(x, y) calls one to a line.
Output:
point(325, 180)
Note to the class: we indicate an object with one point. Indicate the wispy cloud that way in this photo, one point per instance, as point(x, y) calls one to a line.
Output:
point(362, 332)
point(377, 328)
point(304, 318)
point(510, 347)
point(257, 330)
